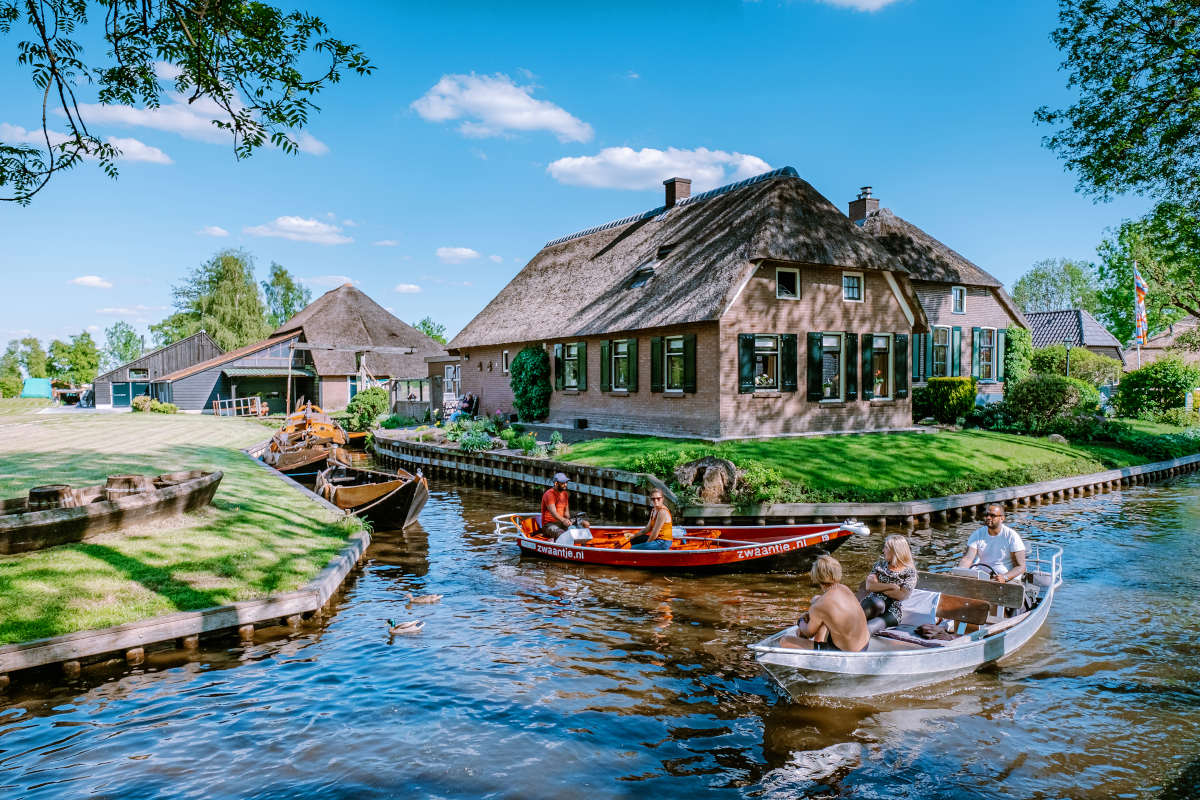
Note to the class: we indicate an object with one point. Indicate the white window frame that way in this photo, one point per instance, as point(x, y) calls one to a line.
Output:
point(891, 366)
point(778, 362)
point(142, 376)
point(613, 356)
point(792, 270)
point(990, 362)
point(570, 354)
point(840, 396)
point(957, 292)
point(862, 287)
point(667, 342)
point(931, 371)
point(504, 361)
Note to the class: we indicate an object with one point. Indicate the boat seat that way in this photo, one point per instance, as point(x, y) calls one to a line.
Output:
point(530, 525)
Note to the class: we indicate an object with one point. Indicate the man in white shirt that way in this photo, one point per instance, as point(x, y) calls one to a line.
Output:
point(996, 546)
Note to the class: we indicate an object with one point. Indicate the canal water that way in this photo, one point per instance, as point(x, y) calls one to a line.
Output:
point(535, 679)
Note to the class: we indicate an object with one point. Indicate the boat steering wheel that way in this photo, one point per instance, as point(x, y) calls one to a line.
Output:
point(988, 567)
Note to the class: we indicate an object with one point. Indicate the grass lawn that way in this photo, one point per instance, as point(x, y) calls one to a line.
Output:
point(879, 467)
point(1143, 426)
point(258, 538)
point(20, 406)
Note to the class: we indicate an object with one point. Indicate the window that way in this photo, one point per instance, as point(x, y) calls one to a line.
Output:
point(620, 364)
point(674, 356)
point(571, 366)
point(941, 353)
point(881, 365)
point(831, 366)
point(766, 362)
point(987, 354)
point(139, 374)
point(504, 361)
point(958, 299)
point(852, 286)
point(787, 283)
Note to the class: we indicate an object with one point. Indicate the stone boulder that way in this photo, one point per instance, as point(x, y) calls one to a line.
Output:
point(714, 479)
point(1057, 438)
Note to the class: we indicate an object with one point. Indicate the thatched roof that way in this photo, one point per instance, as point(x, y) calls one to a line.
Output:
point(923, 256)
point(579, 285)
point(348, 318)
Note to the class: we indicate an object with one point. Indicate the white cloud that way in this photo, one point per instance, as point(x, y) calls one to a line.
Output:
point(328, 281)
point(386, 243)
point(349, 223)
point(859, 5)
point(212, 230)
point(626, 168)
point(496, 258)
point(131, 149)
point(138, 313)
point(93, 328)
point(94, 281)
point(492, 105)
point(456, 255)
point(407, 288)
point(310, 144)
point(167, 71)
point(299, 229)
point(633, 76)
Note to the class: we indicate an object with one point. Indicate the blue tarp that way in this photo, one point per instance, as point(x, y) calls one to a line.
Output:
point(36, 387)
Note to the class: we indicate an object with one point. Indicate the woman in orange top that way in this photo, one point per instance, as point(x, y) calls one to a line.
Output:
point(657, 533)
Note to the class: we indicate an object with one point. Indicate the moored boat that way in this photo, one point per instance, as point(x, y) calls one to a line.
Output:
point(388, 499)
point(59, 514)
point(308, 439)
point(987, 621)
point(731, 547)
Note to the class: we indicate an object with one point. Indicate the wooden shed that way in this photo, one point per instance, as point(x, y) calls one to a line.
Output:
point(117, 387)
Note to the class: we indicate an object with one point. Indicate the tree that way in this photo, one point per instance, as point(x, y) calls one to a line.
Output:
point(10, 370)
point(434, 330)
point(33, 358)
point(1056, 284)
point(179, 325)
point(242, 60)
point(1166, 246)
point(285, 296)
point(221, 297)
point(75, 362)
point(1136, 64)
point(122, 344)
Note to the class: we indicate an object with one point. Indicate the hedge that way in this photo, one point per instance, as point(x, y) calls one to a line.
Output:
point(1156, 387)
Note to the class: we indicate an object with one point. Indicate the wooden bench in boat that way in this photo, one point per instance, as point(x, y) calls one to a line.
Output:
point(1009, 595)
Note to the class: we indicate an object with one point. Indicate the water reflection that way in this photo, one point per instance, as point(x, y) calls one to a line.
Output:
point(544, 679)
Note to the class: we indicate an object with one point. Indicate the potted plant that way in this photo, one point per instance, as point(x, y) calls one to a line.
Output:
point(879, 383)
point(828, 389)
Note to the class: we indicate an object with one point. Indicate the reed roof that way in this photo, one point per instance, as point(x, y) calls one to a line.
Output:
point(923, 256)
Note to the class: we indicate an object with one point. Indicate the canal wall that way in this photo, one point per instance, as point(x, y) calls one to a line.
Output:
point(621, 495)
point(128, 643)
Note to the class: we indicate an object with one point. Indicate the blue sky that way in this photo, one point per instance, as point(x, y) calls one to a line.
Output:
point(486, 132)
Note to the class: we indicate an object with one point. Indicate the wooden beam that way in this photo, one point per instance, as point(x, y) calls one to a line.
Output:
point(1011, 595)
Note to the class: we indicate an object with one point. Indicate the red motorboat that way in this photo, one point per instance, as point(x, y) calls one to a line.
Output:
point(710, 548)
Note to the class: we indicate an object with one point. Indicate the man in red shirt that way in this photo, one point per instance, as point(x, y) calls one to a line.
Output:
point(556, 512)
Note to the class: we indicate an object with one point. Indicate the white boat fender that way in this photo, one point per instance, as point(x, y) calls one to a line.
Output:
point(856, 527)
point(576, 534)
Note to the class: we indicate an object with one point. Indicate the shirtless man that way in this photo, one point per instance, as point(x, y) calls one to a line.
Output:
point(835, 620)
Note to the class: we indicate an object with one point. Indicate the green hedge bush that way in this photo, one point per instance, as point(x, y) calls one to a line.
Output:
point(1156, 387)
point(530, 382)
point(946, 399)
point(1018, 353)
point(366, 407)
point(1036, 401)
point(1087, 366)
point(163, 408)
point(141, 403)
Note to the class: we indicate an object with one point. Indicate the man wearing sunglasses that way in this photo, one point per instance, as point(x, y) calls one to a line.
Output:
point(995, 550)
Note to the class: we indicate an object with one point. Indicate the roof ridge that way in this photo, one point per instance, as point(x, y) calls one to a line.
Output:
point(782, 172)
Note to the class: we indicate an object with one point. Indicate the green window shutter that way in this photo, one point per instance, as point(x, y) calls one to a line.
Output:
point(656, 363)
point(745, 363)
point(900, 364)
point(956, 351)
point(868, 378)
point(916, 357)
point(582, 366)
point(851, 359)
point(1001, 343)
point(787, 362)
point(558, 367)
point(812, 368)
point(633, 365)
point(975, 353)
point(927, 372)
point(606, 366)
point(689, 362)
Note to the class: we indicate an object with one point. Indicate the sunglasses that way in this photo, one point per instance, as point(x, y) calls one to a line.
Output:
point(993, 516)
point(656, 499)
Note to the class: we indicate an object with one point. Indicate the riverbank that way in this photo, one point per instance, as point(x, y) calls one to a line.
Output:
point(258, 538)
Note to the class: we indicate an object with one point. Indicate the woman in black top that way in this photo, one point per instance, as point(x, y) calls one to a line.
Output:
point(890, 582)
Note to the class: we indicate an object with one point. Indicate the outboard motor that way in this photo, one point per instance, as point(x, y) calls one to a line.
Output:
point(576, 534)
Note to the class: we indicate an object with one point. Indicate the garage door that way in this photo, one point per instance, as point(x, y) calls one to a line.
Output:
point(120, 395)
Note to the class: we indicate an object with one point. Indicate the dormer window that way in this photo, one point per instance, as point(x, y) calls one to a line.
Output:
point(664, 251)
point(641, 276)
point(787, 283)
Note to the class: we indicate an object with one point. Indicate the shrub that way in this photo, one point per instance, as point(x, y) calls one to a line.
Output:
point(556, 442)
point(163, 408)
point(530, 384)
point(398, 421)
point(508, 434)
point(759, 484)
point(528, 443)
point(921, 407)
point(1035, 401)
point(1087, 366)
point(366, 407)
point(993, 417)
point(947, 399)
point(11, 386)
point(1156, 387)
point(142, 402)
point(475, 441)
point(1179, 417)
point(1018, 351)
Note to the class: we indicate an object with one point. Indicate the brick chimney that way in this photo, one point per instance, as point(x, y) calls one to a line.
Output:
point(677, 189)
point(864, 205)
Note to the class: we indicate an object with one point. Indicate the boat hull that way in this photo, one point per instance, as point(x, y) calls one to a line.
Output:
point(765, 546)
point(387, 500)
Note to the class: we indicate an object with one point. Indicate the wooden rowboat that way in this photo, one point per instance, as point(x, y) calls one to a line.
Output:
point(897, 660)
point(59, 514)
point(388, 499)
point(309, 437)
point(731, 547)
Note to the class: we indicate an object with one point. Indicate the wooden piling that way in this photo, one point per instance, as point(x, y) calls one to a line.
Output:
point(71, 670)
point(246, 633)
